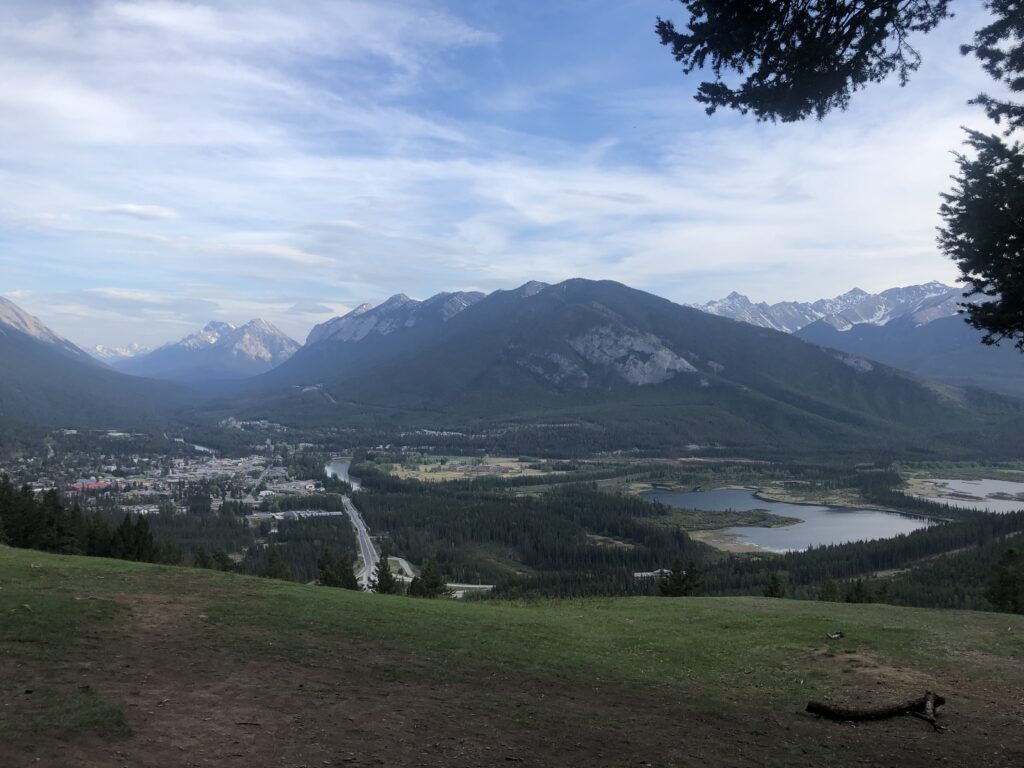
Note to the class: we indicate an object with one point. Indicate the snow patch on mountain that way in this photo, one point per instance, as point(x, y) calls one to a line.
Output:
point(925, 302)
point(113, 354)
point(857, 363)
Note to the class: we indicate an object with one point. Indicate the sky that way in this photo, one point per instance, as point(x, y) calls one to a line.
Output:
point(165, 163)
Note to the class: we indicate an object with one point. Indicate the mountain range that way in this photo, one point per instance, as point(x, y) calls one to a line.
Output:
point(610, 357)
point(623, 368)
point(917, 328)
point(220, 351)
point(855, 307)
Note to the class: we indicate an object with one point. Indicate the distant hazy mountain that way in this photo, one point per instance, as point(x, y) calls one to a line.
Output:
point(45, 379)
point(842, 312)
point(945, 349)
point(615, 358)
point(112, 355)
point(917, 328)
point(219, 351)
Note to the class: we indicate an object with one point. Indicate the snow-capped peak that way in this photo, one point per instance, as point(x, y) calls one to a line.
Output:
point(112, 354)
point(845, 311)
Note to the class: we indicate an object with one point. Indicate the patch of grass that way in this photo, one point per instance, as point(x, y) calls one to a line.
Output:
point(703, 520)
point(715, 643)
point(715, 652)
point(34, 715)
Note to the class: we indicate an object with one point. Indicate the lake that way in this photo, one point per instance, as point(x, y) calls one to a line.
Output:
point(979, 491)
point(339, 469)
point(820, 525)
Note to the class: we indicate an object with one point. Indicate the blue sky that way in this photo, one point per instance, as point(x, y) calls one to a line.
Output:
point(167, 163)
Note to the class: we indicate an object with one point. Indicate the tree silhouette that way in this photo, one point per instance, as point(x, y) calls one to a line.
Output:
point(276, 568)
point(1007, 590)
point(383, 581)
point(797, 58)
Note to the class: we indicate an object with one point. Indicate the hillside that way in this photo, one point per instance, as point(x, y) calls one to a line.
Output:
point(110, 663)
point(917, 328)
point(945, 349)
point(619, 359)
point(46, 380)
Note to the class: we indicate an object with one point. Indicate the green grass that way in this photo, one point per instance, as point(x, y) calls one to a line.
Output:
point(46, 628)
point(719, 647)
point(31, 715)
point(702, 520)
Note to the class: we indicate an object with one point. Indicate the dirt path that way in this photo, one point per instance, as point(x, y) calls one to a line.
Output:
point(190, 700)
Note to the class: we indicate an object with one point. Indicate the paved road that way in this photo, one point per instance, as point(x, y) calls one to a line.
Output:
point(366, 548)
point(405, 571)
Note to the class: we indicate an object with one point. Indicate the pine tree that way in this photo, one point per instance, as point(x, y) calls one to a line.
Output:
point(829, 591)
point(858, 592)
point(775, 587)
point(383, 581)
point(276, 568)
point(336, 572)
point(222, 561)
point(202, 558)
point(682, 582)
point(346, 572)
point(429, 583)
point(1006, 592)
point(326, 573)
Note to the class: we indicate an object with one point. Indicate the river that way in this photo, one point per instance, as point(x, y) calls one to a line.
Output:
point(339, 469)
point(819, 524)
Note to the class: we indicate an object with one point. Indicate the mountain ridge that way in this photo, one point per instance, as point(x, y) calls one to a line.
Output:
point(219, 351)
point(918, 329)
point(48, 381)
point(852, 308)
point(607, 354)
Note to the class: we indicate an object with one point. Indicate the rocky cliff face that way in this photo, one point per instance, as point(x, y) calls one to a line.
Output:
point(638, 358)
point(397, 312)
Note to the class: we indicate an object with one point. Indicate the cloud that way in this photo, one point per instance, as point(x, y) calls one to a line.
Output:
point(292, 163)
point(135, 211)
point(310, 308)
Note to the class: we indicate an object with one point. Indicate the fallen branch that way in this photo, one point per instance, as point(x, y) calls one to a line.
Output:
point(923, 708)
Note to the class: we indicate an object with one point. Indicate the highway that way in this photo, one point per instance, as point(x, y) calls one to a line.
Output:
point(366, 548)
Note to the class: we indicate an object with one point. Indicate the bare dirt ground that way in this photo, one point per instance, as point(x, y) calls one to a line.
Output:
point(192, 701)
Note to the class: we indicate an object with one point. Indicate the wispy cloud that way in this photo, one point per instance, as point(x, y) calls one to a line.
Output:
point(163, 161)
point(136, 211)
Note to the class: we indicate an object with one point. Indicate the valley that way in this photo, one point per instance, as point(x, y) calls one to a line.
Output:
point(536, 454)
point(444, 384)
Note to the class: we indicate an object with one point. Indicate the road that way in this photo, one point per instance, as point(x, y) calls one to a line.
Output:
point(366, 548)
point(371, 558)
